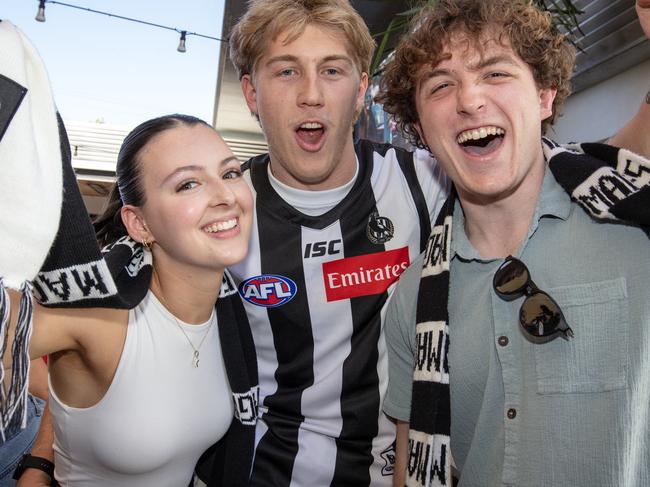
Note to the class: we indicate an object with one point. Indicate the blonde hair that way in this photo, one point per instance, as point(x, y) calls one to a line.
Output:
point(265, 20)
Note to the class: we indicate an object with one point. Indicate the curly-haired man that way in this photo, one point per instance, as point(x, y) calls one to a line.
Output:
point(519, 341)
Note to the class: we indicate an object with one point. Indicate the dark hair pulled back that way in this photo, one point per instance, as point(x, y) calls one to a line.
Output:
point(128, 188)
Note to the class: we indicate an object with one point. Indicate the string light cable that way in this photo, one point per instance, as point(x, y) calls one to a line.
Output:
point(40, 17)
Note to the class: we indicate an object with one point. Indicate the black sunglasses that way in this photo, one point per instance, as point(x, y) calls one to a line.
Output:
point(540, 316)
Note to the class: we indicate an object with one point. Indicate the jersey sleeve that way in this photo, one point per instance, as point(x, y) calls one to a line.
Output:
point(434, 182)
point(400, 342)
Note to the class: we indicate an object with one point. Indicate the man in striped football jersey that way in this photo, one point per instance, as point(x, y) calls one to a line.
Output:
point(336, 224)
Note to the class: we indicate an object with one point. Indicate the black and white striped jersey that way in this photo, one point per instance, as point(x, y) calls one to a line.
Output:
point(315, 289)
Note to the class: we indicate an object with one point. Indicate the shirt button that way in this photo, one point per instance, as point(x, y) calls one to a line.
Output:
point(503, 340)
point(512, 413)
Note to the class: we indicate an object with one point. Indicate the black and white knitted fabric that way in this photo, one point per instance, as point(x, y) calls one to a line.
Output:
point(48, 244)
point(31, 170)
point(229, 461)
point(48, 250)
point(609, 183)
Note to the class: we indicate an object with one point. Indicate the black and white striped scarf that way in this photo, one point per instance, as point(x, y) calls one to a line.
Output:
point(48, 248)
point(609, 183)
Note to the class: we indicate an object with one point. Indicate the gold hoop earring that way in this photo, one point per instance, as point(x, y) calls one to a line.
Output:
point(145, 244)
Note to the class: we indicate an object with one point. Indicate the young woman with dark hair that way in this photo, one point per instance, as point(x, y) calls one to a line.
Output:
point(138, 395)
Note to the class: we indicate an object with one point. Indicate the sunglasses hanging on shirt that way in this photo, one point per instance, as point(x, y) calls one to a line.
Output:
point(539, 315)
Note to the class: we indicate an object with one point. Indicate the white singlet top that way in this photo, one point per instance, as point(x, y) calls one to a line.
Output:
point(159, 414)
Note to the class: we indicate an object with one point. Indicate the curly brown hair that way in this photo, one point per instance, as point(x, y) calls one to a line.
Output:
point(529, 30)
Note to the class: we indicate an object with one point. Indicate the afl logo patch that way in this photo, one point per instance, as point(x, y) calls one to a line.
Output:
point(268, 290)
point(380, 229)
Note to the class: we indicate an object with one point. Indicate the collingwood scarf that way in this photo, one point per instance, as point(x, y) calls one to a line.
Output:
point(229, 462)
point(48, 248)
point(608, 182)
point(48, 251)
point(31, 168)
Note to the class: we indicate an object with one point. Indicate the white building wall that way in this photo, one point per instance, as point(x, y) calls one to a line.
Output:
point(599, 111)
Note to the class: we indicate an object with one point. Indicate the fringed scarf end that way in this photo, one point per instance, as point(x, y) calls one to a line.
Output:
point(13, 402)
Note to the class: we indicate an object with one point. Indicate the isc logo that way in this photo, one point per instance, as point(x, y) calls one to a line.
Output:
point(268, 290)
point(320, 249)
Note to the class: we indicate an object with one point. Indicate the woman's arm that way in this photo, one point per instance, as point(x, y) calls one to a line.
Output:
point(52, 329)
point(86, 330)
point(33, 477)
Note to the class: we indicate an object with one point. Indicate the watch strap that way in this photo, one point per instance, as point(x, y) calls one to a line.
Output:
point(31, 461)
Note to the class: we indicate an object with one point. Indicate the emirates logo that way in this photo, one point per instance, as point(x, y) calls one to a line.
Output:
point(363, 275)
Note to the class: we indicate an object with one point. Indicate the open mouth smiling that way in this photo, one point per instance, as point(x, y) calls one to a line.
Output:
point(220, 226)
point(482, 140)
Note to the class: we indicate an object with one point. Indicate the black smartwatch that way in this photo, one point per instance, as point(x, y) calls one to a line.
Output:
point(39, 463)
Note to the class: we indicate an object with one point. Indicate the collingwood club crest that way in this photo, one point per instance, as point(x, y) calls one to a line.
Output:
point(379, 229)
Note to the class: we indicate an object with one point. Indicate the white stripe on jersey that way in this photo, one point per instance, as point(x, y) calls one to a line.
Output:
point(330, 351)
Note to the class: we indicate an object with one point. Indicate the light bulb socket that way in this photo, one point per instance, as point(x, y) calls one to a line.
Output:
point(181, 43)
point(40, 16)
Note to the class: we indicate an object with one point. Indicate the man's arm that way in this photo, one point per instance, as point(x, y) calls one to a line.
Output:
point(399, 329)
point(643, 11)
point(634, 135)
point(401, 449)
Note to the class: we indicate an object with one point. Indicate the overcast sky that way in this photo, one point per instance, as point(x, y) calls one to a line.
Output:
point(123, 72)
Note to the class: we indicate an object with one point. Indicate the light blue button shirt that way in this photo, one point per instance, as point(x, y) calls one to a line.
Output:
point(565, 413)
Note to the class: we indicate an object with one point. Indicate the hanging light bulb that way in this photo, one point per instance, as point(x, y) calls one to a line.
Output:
point(40, 16)
point(181, 44)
